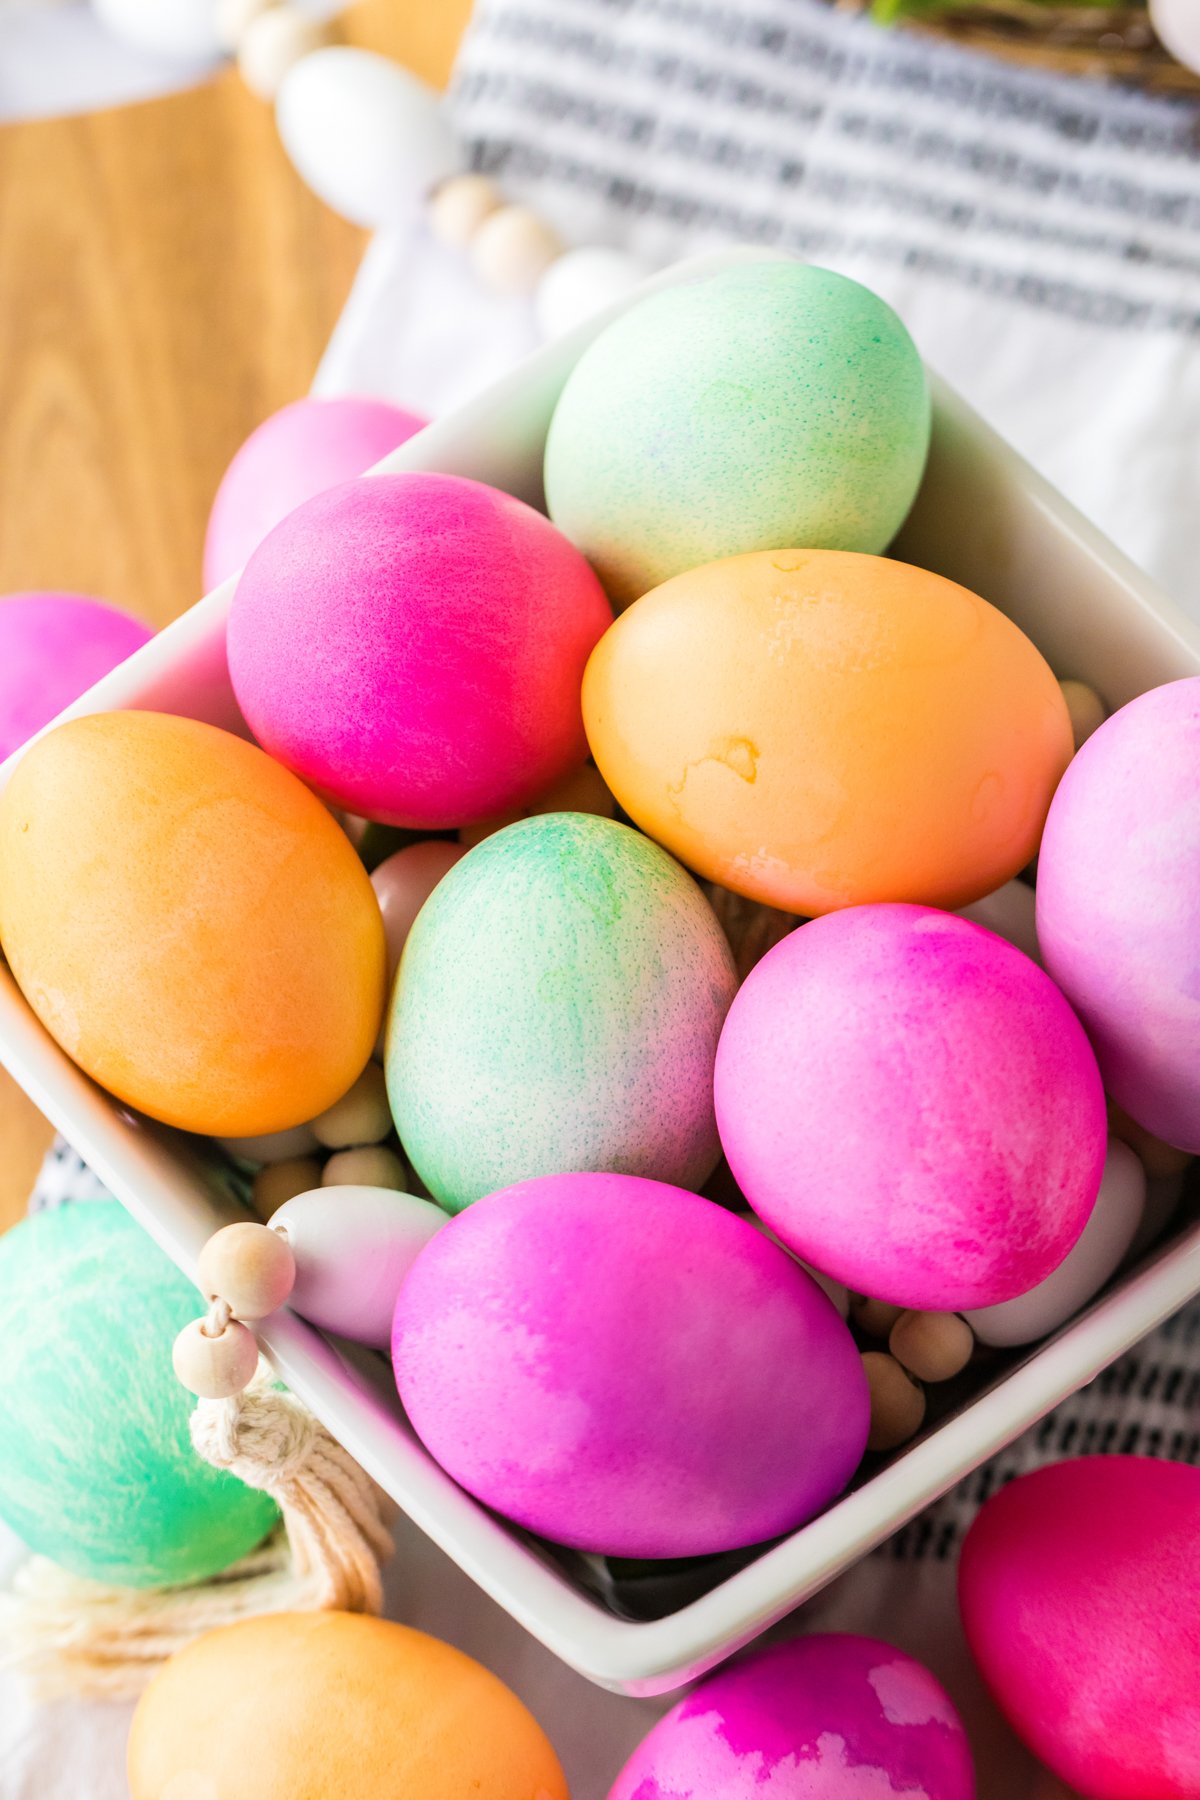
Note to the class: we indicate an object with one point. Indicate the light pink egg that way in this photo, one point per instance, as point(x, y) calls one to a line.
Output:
point(413, 647)
point(301, 450)
point(1078, 1588)
point(910, 1103)
point(404, 882)
point(53, 648)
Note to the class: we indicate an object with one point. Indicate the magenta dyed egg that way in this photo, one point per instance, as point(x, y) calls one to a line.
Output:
point(301, 450)
point(413, 646)
point(910, 1103)
point(1118, 905)
point(627, 1368)
point(53, 648)
point(1078, 1588)
point(828, 1717)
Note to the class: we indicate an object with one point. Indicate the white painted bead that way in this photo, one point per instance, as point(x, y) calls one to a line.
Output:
point(933, 1346)
point(897, 1403)
point(276, 1146)
point(874, 1317)
point(513, 248)
point(353, 1249)
point(232, 18)
point(1011, 912)
point(1088, 711)
point(361, 1116)
point(459, 207)
point(177, 30)
point(248, 1266)
point(365, 135)
point(1096, 1254)
point(581, 283)
point(274, 42)
point(370, 1166)
point(1177, 26)
point(277, 1182)
point(215, 1368)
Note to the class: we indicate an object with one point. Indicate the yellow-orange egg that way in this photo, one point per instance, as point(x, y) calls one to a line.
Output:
point(189, 922)
point(816, 729)
point(334, 1706)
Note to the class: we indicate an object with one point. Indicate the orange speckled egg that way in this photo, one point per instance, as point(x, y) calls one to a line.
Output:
point(189, 922)
point(329, 1706)
point(817, 729)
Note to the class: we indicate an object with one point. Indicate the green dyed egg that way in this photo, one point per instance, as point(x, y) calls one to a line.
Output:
point(772, 406)
point(97, 1470)
point(557, 1008)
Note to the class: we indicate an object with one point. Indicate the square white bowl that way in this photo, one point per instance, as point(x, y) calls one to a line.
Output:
point(983, 517)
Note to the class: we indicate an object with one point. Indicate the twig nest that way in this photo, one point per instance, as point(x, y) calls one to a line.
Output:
point(933, 1346)
point(273, 42)
point(217, 1367)
point(1088, 711)
point(513, 248)
point(249, 1267)
point(361, 1116)
point(581, 283)
point(897, 1403)
point(459, 206)
point(372, 1165)
point(279, 1182)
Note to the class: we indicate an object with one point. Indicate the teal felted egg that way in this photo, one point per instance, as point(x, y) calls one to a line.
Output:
point(770, 406)
point(97, 1470)
point(557, 1009)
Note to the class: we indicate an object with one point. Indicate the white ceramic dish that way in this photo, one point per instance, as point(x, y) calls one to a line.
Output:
point(983, 517)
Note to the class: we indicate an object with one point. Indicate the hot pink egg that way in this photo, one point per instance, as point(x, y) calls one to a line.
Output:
point(413, 647)
point(627, 1368)
point(1078, 1589)
point(820, 1718)
point(910, 1103)
point(301, 450)
point(53, 648)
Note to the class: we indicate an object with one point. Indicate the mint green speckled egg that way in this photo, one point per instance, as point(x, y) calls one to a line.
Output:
point(557, 1008)
point(97, 1470)
point(772, 406)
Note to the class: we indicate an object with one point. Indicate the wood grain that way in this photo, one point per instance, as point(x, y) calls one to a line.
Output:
point(166, 281)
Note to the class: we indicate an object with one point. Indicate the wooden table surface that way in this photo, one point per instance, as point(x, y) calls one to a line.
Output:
point(166, 281)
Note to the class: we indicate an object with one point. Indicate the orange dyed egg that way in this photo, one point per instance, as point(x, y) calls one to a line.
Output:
point(330, 1706)
point(189, 922)
point(816, 729)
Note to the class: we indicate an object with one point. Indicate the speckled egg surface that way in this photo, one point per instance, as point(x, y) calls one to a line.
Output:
point(628, 1368)
point(909, 1102)
point(413, 646)
point(828, 1717)
point(1078, 1588)
point(1118, 905)
point(557, 1007)
point(814, 729)
point(764, 406)
point(97, 1469)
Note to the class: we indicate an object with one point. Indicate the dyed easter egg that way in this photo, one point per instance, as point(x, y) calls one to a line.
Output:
point(413, 647)
point(816, 730)
point(910, 1103)
point(768, 405)
point(1078, 1587)
point(332, 1705)
point(301, 450)
point(53, 648)
point(97, 1469)
point(828, 1717)
point(558, 1007)
point(627, 1368)
point(353, 1247)
point(1118, 905)
point(189, 923)
point(403, 883)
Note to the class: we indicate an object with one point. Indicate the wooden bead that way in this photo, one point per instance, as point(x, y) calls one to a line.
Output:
point(232, 18)
point(215, 1368)
point(513, 248)
point(283, 1181)
point(274, 1147)
point(459, 207)
point(1158, 1158)
point(273, 42)
point(897, 1403)
point(248, 1266)
point(874, 1317)
point(1086, 708)
point(933, 1346)
point(361, 1116)
point(372, 1166)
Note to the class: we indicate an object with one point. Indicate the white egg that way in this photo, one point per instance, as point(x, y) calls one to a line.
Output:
point(1098, 1252)
point(1011, 912)
point(275, 1147)
point(177, 30)
point(368, 138)
point(581, 283)
point(1177, 25)
point(353, 1247)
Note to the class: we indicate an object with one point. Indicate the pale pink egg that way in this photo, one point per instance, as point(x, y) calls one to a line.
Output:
point(53, 648)
point(404, 882)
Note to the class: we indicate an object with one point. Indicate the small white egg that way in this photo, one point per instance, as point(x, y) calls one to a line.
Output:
point(1177, 26)
point(176, 30)
point(1011, 912)
point(352, 1247)
point(1098, 1252)
point(581, 283)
